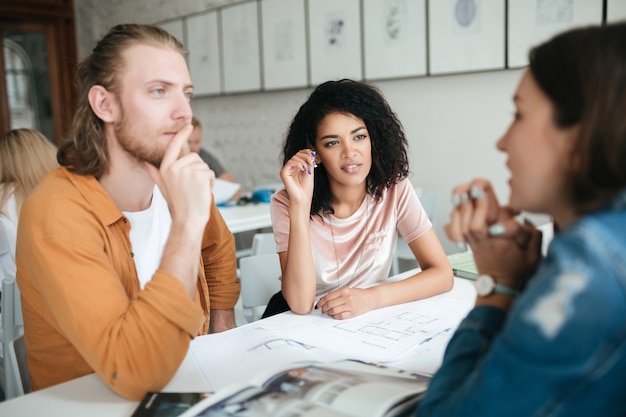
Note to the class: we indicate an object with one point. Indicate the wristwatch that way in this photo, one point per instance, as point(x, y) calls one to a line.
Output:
point(486, 285)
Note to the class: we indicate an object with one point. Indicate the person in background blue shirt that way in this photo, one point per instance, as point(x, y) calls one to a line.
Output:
point(548, 335)
point(195, 145)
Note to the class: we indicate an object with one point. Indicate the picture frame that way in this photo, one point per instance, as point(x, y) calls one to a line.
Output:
point(615, 10)
point(394, 31)
point(466, 35)
point(240, 47)
point(537, 21)
point(175, 28)
point(204, 53)
point(335, 40)
point(283, 34)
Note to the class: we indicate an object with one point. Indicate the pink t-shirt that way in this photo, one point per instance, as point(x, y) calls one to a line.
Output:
point(356, 251)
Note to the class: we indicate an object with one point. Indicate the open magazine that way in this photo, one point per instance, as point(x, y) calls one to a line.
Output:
point(339, 389)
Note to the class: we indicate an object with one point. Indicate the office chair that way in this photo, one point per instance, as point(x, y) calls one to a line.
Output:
point(263, 243)
point(12, 327)
point(403, 251)
point(260, 279)
point(17, 359)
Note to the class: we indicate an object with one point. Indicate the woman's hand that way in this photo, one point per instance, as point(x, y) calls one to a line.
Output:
point(297, 175)
point(345, 303)
point(502, 247)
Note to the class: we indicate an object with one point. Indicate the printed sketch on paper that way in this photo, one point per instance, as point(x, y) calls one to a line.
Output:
point(283, 41)
point(554, 11)
point(241, 45)
point(466, 18)
point(278, 343)
point(465, 12)
point(395, 20)
point(384, 333)
point(335, 31)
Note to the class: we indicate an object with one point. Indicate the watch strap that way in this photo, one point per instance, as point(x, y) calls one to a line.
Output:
point(506, 290)
point(487, 285)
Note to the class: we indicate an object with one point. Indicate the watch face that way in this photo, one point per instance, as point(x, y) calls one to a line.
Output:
point(484, 285)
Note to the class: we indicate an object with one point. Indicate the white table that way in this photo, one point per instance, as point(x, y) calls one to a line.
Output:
point(88, 395)
point(246, 218)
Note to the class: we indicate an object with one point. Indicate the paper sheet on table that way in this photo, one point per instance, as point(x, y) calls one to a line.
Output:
point(383, 335)
point(223, 191)
point(392, 335)
point(239, 354)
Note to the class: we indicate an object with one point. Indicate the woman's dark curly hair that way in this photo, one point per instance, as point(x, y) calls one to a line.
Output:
point(389, 144)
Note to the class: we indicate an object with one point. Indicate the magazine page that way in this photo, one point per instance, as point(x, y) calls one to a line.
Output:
point(257, 402)
point(344, 388)
point(348, 390)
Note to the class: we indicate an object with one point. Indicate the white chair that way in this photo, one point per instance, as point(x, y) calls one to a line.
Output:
point(263, 243)
point(260, 280)
point(12, 327)
point(17, 359)
point(403, 251)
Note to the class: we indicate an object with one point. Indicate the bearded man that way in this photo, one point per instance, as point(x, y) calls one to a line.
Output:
point(122, 255)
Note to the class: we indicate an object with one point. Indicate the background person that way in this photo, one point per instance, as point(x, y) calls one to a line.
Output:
point(195, 145)
point(26, 156)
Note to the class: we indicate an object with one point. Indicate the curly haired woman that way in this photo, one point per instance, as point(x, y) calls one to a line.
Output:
point(345, 200)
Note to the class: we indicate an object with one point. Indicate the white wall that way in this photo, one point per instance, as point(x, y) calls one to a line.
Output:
point(452, 122)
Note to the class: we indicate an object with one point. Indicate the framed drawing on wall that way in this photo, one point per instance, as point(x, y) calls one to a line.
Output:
point(532, 22)
point(394, 34)
point(175, 28)
point(615, 10)
point(284, 44)
point(466, 35)
point(334, 40)
point(204, 53)
point(240, 46)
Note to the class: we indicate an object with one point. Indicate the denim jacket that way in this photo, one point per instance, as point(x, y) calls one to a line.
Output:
point(561, 351)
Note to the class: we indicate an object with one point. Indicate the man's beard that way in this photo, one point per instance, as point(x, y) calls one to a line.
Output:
point(134, 147)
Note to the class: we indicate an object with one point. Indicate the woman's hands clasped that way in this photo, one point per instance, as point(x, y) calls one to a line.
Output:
point(502, 247)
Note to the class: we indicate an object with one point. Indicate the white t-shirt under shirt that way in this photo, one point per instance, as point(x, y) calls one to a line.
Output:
point(356, 251)
point(149, 231)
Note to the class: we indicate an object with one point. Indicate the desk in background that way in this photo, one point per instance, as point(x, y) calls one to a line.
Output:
point(88, 395)
point(246, 218)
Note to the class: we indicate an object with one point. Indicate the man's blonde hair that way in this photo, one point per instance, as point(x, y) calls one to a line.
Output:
point(85, 151)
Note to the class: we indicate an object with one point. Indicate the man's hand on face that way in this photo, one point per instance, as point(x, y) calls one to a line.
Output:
point(185, 181)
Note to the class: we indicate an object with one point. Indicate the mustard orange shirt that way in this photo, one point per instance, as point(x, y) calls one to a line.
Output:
point(83, 307)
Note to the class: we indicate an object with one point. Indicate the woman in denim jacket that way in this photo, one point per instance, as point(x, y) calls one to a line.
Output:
point(548, 336)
